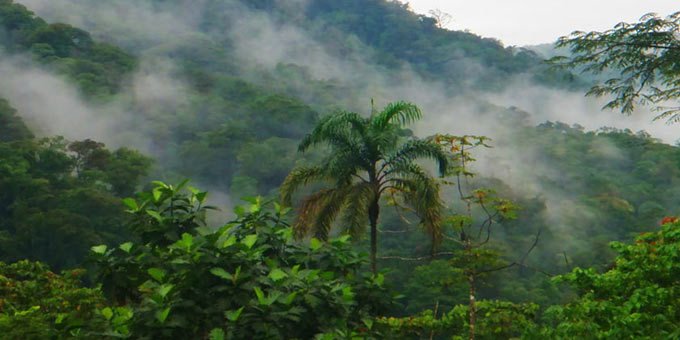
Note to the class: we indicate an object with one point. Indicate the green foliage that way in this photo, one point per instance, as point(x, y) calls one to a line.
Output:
point(35, 303)
point(12, 126)
point(639, 297)
point(497, 320)
point(96, 68)
point(248, 279)
point(395, 36)
point(644, 55)
point(368, 157)
point(59, 198)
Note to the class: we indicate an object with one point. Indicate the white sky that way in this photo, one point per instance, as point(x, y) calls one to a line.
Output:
point(531, 22)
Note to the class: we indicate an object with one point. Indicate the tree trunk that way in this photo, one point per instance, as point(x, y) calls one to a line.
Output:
point(473, 304)
point(373, 213)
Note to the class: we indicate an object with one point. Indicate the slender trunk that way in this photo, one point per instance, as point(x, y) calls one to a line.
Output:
point(473, 305)
point(471, 282)
point(373, 213)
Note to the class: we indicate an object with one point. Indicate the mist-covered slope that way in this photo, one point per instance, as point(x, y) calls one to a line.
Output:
point(222, 91)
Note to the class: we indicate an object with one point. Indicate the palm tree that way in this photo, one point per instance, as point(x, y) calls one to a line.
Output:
point(367, 158)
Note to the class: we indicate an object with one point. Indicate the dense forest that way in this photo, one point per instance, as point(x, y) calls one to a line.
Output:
point(355, 173)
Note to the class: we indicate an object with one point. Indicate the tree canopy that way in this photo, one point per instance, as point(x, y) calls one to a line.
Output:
point(644, 58)
point(368, 158)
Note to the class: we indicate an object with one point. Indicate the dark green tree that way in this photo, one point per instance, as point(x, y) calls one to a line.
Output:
point(367, 158)
point(645, 56)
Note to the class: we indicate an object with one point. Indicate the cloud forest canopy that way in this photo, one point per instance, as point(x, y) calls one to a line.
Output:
point(204, 103)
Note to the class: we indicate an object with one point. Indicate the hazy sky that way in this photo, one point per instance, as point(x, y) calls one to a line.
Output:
point(530, 22)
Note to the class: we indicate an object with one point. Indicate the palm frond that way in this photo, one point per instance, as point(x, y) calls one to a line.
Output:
point(398, 113)
point(341, 130)
point(424, 197)
point(355, 214)
point(309, 211)
point(330, 208)
point(418, 148)
point(345, 164)
point(407, 170)
point(297, 178)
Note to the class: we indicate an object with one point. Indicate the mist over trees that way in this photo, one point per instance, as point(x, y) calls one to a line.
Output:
point(532, 228)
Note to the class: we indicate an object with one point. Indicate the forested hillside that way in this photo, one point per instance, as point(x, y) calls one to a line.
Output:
point(387, 190)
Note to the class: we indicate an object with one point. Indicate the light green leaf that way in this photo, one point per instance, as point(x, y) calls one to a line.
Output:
point(260, 296)
point(315, 244)
point(157, 274)
point(126, 247)
point(249, 241)
point(225, 243)
point(277, 274)
point(155, 215)
point(290, 298)
point(101, 249)
point(186, 242)
point(60, 318)
point(156, 194)
point(131, 203)
point(368, 322)
point(233, 315)
point(163, 290)
point(107, 313)
point(219, 272)
point(216, 334)
point(162, 315)
point(379, 279)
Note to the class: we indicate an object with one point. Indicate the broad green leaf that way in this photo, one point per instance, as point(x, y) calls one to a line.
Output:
point(107, 313)
point(249, 241)
point(225, 242)
point(131, 203)
point(347, 294)
point(101, 249)
point(186, 242)
point(368, 322)
point(219, 272)
point(155, 215)
point(260, 296)
point(295, 269)
point(156, 192)
point(233, 315)
point(157, 274)
point(216, 334)
point(290, 298)
point(315, 244)
point(126, 247)
point(163, 290)
point(162, 315)
point(277, 274)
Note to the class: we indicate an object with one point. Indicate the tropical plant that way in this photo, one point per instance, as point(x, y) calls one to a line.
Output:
point(638, 298)
point(368, 157)
point(246, 280)
point(645, 57)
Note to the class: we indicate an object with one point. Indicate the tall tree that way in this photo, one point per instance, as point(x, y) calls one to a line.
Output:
point(368, 157)
point(646, 56)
